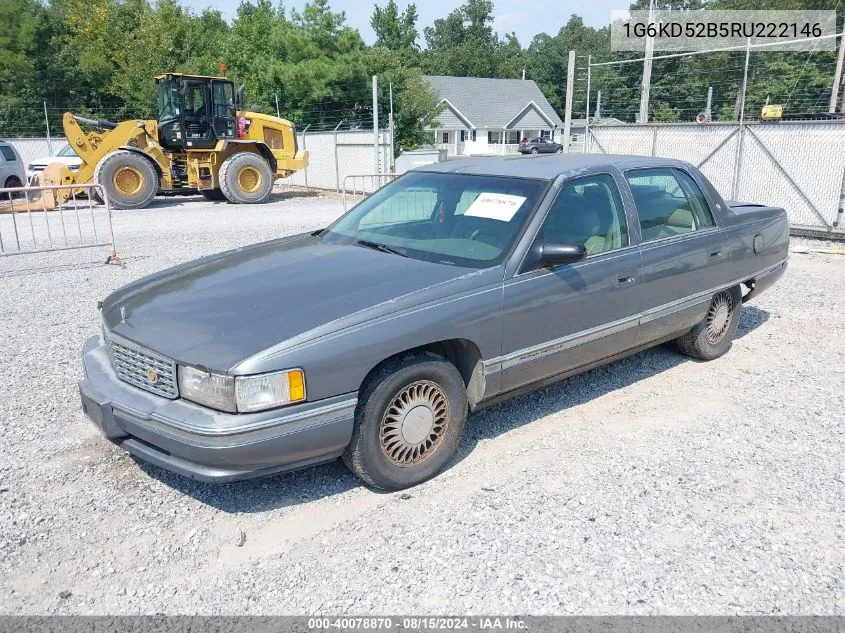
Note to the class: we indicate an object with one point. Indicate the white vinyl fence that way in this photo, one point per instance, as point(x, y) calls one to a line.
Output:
point(333, 155)
point(796, 165)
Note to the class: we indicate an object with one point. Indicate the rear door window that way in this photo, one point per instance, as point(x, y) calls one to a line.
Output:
point(669, 203)
point(8, 153)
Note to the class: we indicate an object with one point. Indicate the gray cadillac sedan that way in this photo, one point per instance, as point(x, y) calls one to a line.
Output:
point(455, 286)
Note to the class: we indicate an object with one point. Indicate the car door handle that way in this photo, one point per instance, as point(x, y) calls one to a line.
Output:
point(625, 281)
point(716, 255)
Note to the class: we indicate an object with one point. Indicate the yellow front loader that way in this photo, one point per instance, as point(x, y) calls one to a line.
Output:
point(200, 141)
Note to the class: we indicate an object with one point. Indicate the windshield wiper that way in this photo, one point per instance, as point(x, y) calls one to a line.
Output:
point(384, 248)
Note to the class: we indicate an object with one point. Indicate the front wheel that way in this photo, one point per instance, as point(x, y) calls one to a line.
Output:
point(129, 179)
point(408, 422)
point(712, 338)
point(246, 178)
point(559, 150)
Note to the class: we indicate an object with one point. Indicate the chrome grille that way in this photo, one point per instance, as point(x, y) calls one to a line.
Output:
point(135, 364)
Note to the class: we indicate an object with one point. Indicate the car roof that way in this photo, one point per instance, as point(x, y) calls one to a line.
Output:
point(542, 167)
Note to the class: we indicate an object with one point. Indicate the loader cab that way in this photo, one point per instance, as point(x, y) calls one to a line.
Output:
point(194, 112)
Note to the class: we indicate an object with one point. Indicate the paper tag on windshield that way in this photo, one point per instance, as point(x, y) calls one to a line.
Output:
point(496, 206)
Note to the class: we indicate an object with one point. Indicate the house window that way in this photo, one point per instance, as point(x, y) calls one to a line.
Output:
point(473, 136)
point(545, 134)
point(494, 138)
point(444, 137)
point(463, 135)
point(512, 137)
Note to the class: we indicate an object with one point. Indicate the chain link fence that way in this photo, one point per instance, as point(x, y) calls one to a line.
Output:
point(335, 155)
point(796, 165)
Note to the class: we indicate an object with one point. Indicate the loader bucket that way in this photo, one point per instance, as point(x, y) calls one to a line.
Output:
point(34, 198)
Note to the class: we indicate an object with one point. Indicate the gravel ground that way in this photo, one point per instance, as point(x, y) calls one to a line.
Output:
point(652, 485)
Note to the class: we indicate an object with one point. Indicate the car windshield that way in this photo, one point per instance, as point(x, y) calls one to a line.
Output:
point(458, 219)
point(67, 150)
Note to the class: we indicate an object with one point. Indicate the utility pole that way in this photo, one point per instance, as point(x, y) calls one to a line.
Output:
point(47, 122)
point(598, 106)
point(649, 52)
point(744, 83)
point(278, 114)
point(709, 109)
point(586, 147)
point(390, 125)
point(741, 142)
point(567, 116)
point(375, 125)
point(837, 76)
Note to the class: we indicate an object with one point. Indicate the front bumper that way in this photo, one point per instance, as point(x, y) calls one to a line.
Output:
point(179, 436)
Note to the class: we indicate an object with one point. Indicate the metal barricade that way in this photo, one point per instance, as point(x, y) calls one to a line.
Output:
point(364, 184)
point(42, 219)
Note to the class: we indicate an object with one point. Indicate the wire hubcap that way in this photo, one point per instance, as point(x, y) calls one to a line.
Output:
point(414, 424)
point(719, 317)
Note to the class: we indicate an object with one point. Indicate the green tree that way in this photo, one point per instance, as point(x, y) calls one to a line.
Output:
point(394, 30)
point(463, 43)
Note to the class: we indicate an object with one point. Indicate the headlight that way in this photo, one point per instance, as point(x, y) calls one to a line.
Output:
point(242, 394)
point(212, 390)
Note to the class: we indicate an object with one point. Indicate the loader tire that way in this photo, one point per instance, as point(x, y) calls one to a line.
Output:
point(130, 180)
point(246, 178)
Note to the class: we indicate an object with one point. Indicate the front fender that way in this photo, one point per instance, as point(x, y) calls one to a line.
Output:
point(338, 362)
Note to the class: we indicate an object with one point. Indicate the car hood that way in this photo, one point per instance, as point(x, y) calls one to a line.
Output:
point(70, 161)
point(217, 311)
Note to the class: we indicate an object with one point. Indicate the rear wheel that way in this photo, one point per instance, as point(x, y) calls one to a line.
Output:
point(534, 150)
point(130, 180)
point(246, 178)
point(712, 338)
point(213, 194)
point(408, 422)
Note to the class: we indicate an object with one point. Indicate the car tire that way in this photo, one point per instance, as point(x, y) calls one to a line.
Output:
point(408, 422)
point(559, 150)
point(11, 182)
point(713, 337)
point(129, 179)
point(246, 178)
point(534, 150)
point(215, 195)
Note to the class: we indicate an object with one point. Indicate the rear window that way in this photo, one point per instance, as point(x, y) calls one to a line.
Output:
point(8, 152)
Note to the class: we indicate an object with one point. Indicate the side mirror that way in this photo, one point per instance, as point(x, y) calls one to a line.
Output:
point(553, 254)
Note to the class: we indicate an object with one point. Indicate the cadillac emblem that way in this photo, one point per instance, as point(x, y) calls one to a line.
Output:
point(152, 375)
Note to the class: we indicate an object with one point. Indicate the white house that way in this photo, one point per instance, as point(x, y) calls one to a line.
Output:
point(490, 116)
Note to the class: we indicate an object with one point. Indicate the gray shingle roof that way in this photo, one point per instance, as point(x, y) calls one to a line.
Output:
point(492, 103)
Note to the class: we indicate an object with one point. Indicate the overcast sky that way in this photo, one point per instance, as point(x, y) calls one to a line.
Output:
point(525, 17)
